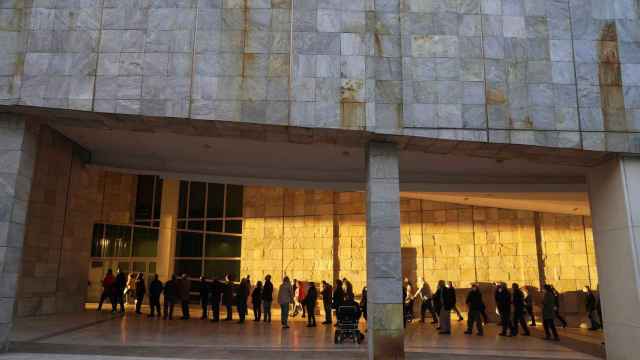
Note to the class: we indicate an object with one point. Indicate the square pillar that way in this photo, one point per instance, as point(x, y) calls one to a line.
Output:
point(168, 225)
point(18, 143)
point(614, 191)
point(384, 261)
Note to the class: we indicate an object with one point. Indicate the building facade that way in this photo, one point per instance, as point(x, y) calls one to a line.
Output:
point(525, 103)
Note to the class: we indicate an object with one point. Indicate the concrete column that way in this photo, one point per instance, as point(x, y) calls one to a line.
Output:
point(614, 190)
point(168, 223)
point(384, 262)
point(18, 143)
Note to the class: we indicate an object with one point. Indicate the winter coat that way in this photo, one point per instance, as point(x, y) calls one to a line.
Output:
point(503, 301)
point(204, 291)
point(311, 297)
point(155, 288)
point(171, 291)
point(474, 301)
point(227, 294)
point(326, 294)
point(120, 282)
point(285, 294)
point(338, 297)
point(141, 288)
point(518, 301)
point(184, 289)
point(548, 306)
point(590, 302)
point(256, 296)
point(267, 291)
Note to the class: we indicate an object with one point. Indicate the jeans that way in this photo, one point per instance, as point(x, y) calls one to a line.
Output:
point(327, 312)
point(139, 300)
point(168, 308)
point(311, 314)
point(229, 311)
point(205, 308)
point(154, 303)
point(445, 320)
point(242, 310)
point(185, 309)
point(284, 314)
point(215, 309)
point(505, 319)
point(518, 319)
point(107, 294)
point(549, 326)
point(475, 316)
point(266, 306)
point(257, 311)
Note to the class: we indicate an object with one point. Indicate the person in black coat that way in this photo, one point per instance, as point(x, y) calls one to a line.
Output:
point(447, 300)
point(591, 307)
point(326, 302)
point(518, 311)
point(217, 288)
point(141, 290)
point(204, 297)
point(170, 297)
point(256, 301)
point(227, 297)
point(363, 303)
point(476, 306)
point(310, 303)
point(241, 299)
point(503, 303)
point(267, 298)
point(556, 297)
point(528, 304)
point(119, 285)
point(155, 290)
point(338, 296)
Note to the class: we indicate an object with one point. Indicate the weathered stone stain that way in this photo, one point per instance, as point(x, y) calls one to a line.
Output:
point(353, 115)
point(350, 90)
point(610, 77)
point(495, 96)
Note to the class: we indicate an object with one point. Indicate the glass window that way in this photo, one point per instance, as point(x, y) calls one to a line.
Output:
point(144, 197)
point(139, 266)
point(233, 226)
point(219, 268)
point(234, 201)
point(145, 242)
point(157, 202)
point(152, 267)
point(188, 244)
point(184, 195)
point(98, 243)
point(214, 225)
point(215, 201)
point(124, 266)
point(222, 246)
point(196, 200)
point(192, 268)
point(195, 225)
point(118, 238)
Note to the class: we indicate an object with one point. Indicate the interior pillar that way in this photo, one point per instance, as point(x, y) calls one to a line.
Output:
point(168, 223)
point(18, 144)
point(614, 190)
point(384, 262)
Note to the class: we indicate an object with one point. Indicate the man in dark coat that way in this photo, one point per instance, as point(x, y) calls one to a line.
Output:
point(591, 307)
point(170, 297)
point(184, 293)
point(267, 298)
point(227, 297)
point(119, 286)
point(503, 303)
point(204, 297)
point(518, 311)
point(216, 295)
point(476, 305)
point(326, 302)
point(338, 296)
point(241, 299)
point(528, 304)
point(310, 302)
point(155, 290)
point(447, 300)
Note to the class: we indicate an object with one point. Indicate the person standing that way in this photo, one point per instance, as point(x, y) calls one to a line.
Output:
point(326, 302)
point(131, 288)
point(518, 311)
point(241, 299)
point(549, 313)
point(267, 298)
point(455, 306)
point(556, 296)
point(184, 293)
point(108, 290)
point(120, 285)
point(204, 297)
point(363, 303)
point(528, 304)
point(408, 298)
point(426, 304)
point(216, 295)
point(338, 296)
point(227, 297)
point(503, 303)
point(256, 301)
point(591, 307)
point(285, 298)
point(155, 290)
point(310, 303)
point(170, 297)
point(447, 301)
point(476, 305)
point(141, 289)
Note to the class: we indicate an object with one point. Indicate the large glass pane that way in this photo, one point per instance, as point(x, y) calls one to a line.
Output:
point(158, 199)
point(188, 244)
point(215, 201)
point(118, 238)
point(234, 201)
point(214, 225)
point(139, 266)
point(219, 268)
point(145, 242)
point(152, 267)
point(192, 268)
point(144, 197)
point(196, 200)
point(233, 226)
point(184, 195)
point(123, 266)
point(222, 246)
point(196, 225)
point(97, 242)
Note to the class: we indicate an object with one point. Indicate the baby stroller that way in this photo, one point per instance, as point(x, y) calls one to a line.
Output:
point(347, 327)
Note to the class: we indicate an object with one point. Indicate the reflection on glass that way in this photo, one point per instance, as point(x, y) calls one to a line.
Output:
point(219, 268)
point(145, 242)
point(193, 268)
point(188, 244)
point(222, 246)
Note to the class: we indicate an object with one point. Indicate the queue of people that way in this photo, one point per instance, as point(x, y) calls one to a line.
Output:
point(299, 297)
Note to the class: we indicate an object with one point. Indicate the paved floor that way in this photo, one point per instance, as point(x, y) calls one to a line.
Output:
point(84, 335)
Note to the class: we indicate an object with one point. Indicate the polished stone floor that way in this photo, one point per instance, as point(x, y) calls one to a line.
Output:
point(92, 335)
